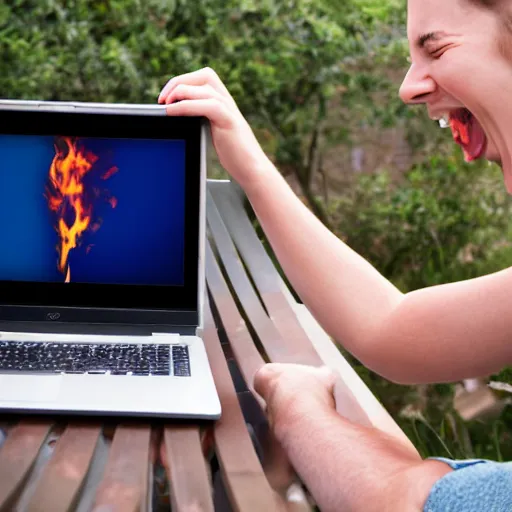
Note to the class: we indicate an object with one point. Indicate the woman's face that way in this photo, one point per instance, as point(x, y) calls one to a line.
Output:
point(460, 72)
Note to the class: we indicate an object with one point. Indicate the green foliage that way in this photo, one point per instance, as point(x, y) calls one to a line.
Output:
point(440, 224)
point(277, 58)
point(280, 60)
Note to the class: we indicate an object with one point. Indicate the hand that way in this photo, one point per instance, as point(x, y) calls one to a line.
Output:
point(202, 93)
point(291, 390)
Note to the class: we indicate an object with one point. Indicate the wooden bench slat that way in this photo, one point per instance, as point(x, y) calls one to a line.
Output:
point(246, 354)
point(58, 488)
point(94, 476)
point(276, 348)
point(264, 274)
point(186, 467)
point(17, 457)
point(245, 481)
point(125, 482)
point(249, 360)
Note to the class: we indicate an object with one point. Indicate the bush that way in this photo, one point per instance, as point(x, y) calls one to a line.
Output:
point(445, 221)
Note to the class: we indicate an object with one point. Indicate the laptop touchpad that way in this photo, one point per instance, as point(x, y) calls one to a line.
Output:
point(29, 388)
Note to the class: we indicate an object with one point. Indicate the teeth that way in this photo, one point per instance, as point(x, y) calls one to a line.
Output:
point(444, 122)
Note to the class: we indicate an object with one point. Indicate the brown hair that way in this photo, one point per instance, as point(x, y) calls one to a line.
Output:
point(502, 9)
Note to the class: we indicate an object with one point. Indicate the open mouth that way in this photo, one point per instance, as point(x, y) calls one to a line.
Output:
point(468, 133)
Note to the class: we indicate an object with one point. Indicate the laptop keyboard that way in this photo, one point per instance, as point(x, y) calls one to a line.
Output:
point(95, 358)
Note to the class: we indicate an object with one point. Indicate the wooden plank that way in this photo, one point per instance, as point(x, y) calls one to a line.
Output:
point(94, 475)
point(296, 320)
point(245, 481)
point(58, 488)
point(246, 354)
point(280, 347)
point(43, 457)
point(276, 466)
point(263, 272)
point(186, 469)
point(17, 457)
point(125, 483)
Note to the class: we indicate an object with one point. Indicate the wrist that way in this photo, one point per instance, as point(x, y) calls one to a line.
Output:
point(413, 483)
point(256, 180)
point(424, 476)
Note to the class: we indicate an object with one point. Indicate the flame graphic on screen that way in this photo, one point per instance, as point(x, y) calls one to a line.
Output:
point(70, 199)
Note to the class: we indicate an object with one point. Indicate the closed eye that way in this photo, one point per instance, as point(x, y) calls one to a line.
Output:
point(439, 51)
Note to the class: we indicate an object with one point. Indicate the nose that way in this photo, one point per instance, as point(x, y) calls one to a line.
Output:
point(417, 86)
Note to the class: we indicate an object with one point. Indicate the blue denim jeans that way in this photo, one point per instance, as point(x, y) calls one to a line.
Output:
point(475, 485)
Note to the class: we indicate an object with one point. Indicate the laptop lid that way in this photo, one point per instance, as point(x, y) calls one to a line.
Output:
point(101, 218)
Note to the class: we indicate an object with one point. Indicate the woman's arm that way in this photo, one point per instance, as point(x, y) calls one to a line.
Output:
point(445, 333)
point(442, 333)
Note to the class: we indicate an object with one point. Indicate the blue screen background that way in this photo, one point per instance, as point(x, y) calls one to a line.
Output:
point(140, 241)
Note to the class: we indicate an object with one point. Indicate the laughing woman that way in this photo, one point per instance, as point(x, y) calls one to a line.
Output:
point(461, 54)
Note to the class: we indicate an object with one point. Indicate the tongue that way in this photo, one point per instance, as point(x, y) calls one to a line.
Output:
point(469, 134)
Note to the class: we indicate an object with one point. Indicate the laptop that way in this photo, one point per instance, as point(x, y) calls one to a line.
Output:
point(102, 229)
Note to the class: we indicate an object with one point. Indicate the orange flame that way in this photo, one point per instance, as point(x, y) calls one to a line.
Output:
point(68, 198)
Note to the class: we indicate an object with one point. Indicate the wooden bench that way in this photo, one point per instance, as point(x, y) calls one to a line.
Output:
point(60, 464)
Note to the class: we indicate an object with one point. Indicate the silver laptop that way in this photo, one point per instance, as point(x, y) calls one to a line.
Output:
point(102, 226)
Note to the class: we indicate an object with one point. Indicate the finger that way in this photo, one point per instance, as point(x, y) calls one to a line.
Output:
point(261, 381)
point(264, 379)
point(262, 404)
point(211, 108)
point(201, 77)
point(193, 92)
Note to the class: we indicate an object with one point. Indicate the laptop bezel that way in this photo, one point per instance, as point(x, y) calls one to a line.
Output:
point(183, 305)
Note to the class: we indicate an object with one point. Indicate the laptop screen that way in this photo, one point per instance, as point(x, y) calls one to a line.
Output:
point(92, 210)
point(99, 211)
